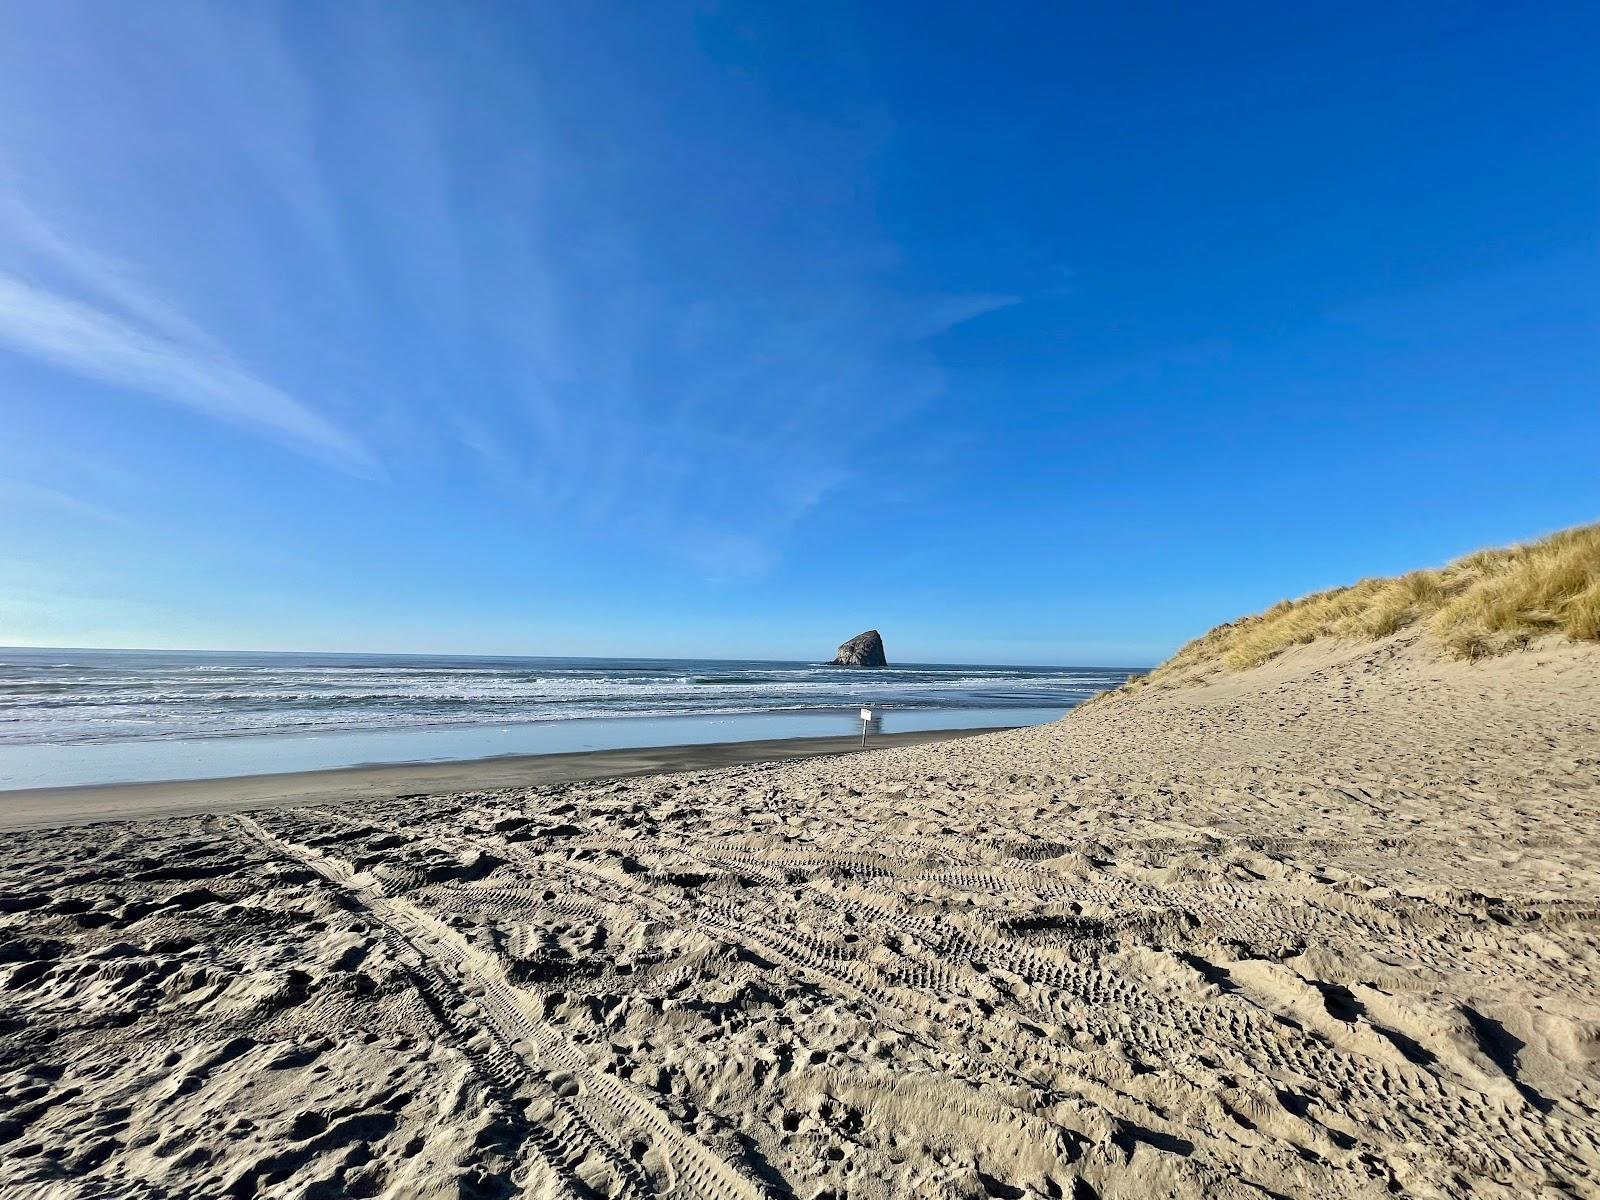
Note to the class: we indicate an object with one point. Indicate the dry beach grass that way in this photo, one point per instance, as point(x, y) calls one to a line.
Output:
point(1486, 603)
point(1324, 926)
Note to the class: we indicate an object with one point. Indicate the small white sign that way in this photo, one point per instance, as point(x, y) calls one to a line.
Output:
point(866, 714)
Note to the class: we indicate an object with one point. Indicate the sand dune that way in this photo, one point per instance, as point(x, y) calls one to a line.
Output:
point(1325, 927)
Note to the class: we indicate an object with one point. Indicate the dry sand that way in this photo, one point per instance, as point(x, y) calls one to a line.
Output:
point(1325, 928)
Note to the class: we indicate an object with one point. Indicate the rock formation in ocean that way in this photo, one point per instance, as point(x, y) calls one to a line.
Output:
point(863, 650)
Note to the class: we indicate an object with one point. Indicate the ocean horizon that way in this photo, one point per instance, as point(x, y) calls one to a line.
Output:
point(77, 716)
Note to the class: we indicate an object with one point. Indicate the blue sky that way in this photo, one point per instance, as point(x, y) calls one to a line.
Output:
point(1029, 334)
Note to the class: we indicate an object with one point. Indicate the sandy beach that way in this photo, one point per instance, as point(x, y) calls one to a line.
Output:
point(737, 601)
point(1323, 927)
point(38, 808)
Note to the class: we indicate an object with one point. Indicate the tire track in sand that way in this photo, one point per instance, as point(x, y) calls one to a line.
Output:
point(604, 1107)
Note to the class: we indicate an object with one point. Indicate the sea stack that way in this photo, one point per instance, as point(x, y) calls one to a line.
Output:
point(863, 650)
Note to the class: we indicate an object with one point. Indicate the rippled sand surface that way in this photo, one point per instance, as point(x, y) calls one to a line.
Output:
point(1325, 928)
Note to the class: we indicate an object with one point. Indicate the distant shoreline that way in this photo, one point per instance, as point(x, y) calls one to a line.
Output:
point(92, 718)
point(49, 807)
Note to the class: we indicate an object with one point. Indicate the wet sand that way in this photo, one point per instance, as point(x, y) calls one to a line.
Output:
point(40, 808)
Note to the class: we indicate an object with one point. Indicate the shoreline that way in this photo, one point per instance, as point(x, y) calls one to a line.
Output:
point(85, 804)
point(37, 765)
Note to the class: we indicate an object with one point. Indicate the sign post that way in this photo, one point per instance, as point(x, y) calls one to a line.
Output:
point(866, 718)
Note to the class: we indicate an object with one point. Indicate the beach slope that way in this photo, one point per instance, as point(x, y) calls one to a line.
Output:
point(1322, 926)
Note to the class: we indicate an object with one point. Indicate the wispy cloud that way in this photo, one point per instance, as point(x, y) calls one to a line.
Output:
point(407, 226)
point(27, 237)
point(14, 493)
point(95, 343)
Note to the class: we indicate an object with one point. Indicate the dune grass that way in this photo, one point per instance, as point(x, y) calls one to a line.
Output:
point(1486, 603)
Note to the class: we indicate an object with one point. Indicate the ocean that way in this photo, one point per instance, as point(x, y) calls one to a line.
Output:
point(90, 716)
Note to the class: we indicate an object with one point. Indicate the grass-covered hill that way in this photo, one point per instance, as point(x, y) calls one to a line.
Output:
point(1484, 604)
